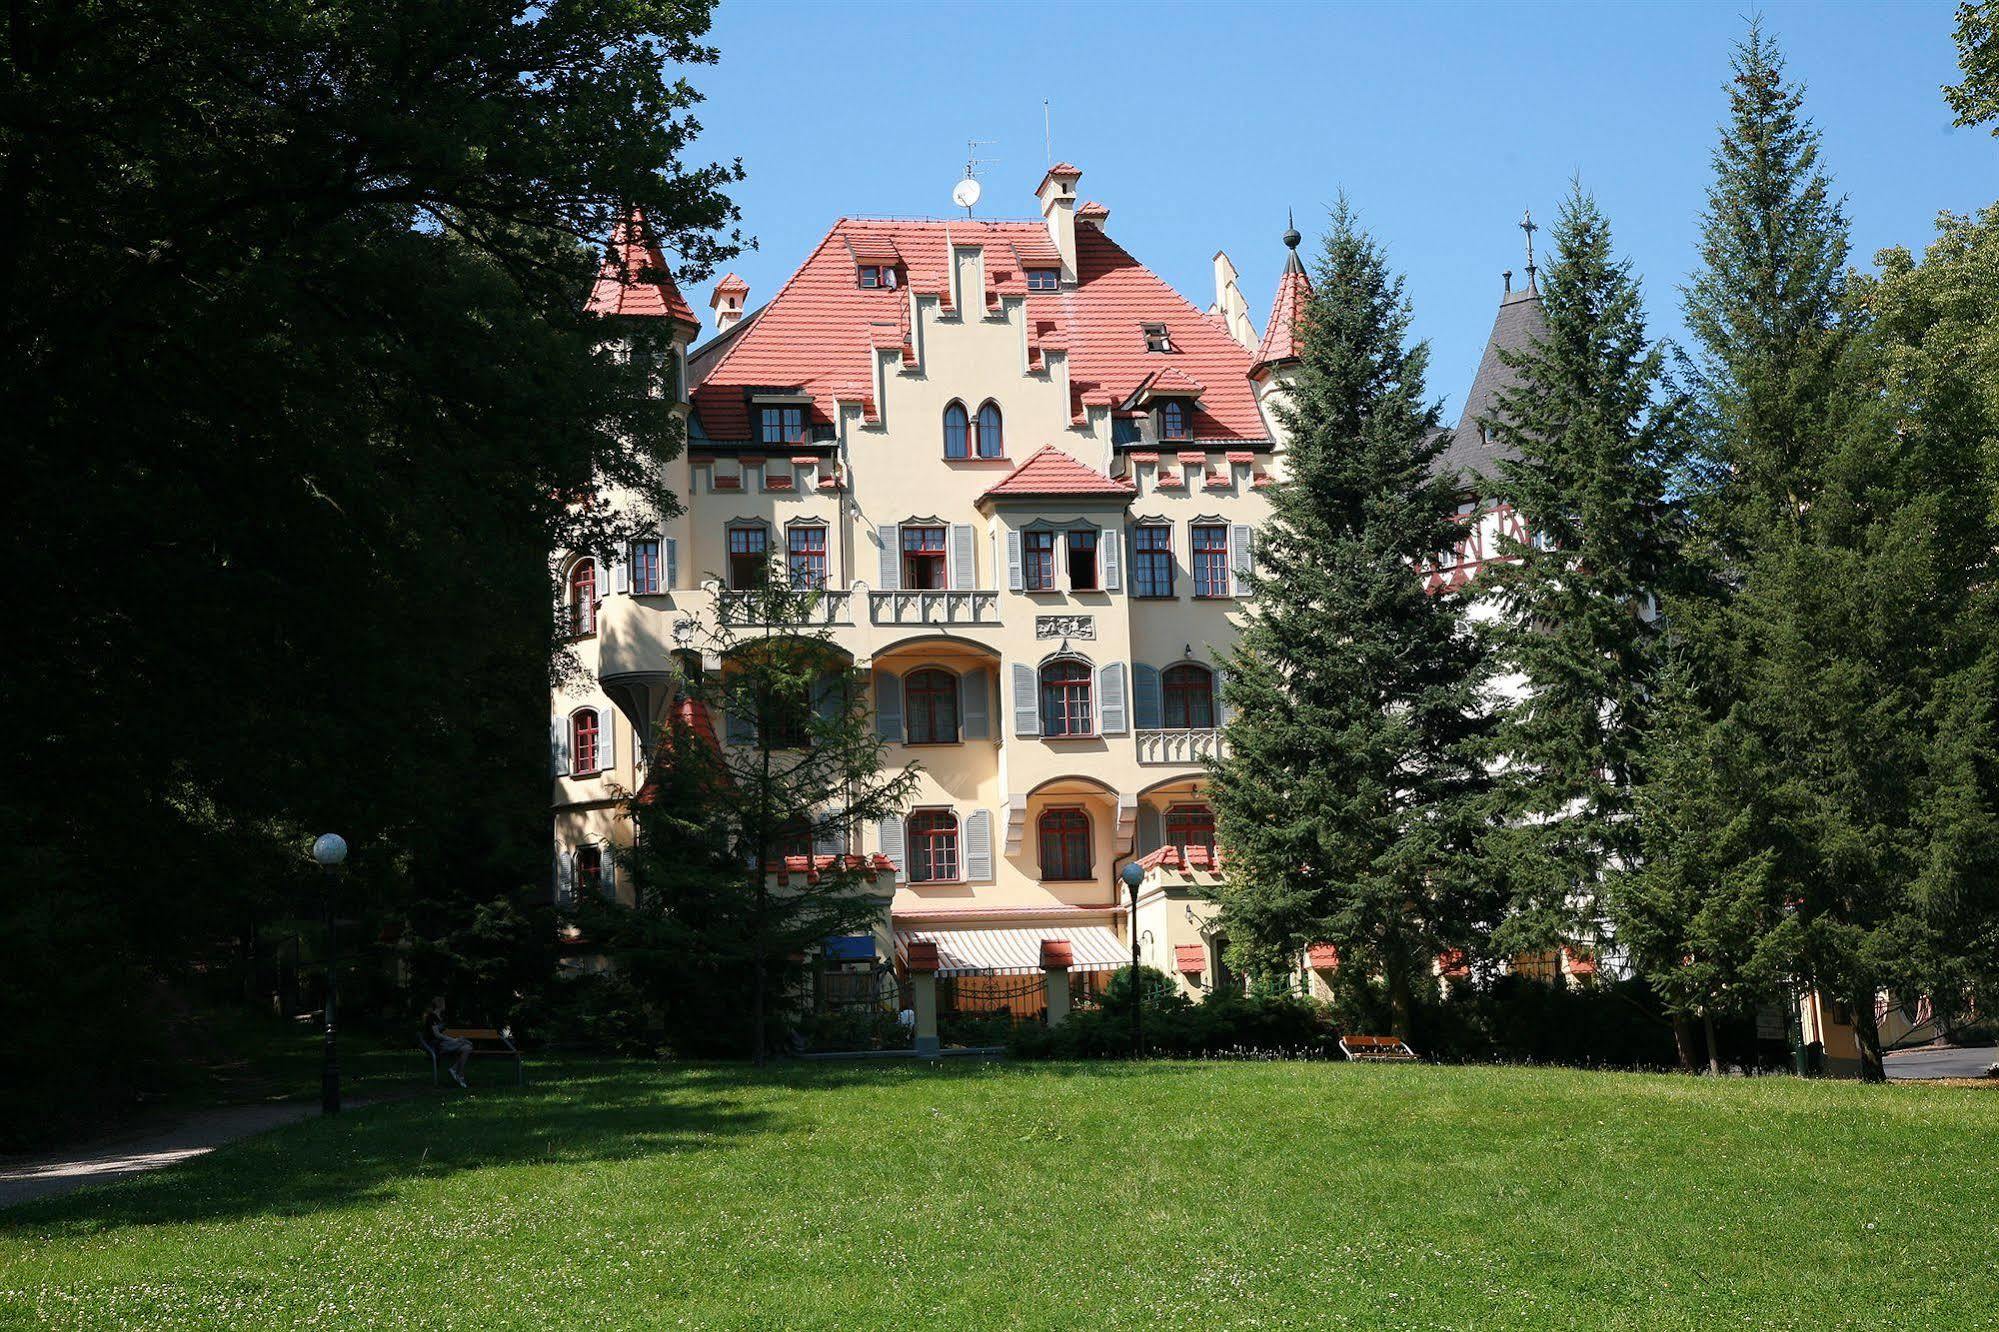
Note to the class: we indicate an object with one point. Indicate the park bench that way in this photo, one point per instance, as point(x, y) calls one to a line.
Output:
point(1378, 1049)
point(485, 1041)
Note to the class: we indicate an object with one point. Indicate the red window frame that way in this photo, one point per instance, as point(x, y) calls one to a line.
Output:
point(1152, 560)
point(793, 837)
point(1188, 698)
point(930, 707)
point(583, 597)
point(1082, 551)
point(1037, 560)
point(1210, 546)
point(1065, 699)
point(749, 556)
point(583, 749)
point(923, 559)
point(1191, 825)
point(806, 555)
point(1175, 420)
point(645, 567)
point(1064, 835)
point(781, 425)
point(932, 846)
point(992, 431)
point(878, 275)
point(589, 869)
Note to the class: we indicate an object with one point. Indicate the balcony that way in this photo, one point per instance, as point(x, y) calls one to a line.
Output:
point(739, 608)
point(916, 608)
point(1185, 748)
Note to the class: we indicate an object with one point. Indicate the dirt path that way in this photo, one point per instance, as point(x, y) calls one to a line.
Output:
point(134, 1151)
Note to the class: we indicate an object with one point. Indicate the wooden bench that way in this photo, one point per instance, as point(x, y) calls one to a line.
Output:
point(1376, 1049)
point(485, 1041)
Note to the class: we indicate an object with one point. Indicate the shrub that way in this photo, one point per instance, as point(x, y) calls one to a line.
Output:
point(1277, 1026)
point(854, 1029)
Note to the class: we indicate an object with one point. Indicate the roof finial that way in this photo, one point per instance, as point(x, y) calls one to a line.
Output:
point(1507, 277)
point(1527, 225)
point(1291, 236)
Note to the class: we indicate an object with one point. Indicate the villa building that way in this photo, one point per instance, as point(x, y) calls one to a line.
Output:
point(1028, 474)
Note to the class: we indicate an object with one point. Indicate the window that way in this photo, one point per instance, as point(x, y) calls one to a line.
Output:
point(923, 559)
point(877, 275)
point(749, 556)
point(930, 707)
point(583, 742)
point(1174, 420)
point(1065, 844)
point(583, 597)
point(1191, 825)
point(793, 837)
point(785, 723)
point(645, 567)
point(782, 425)
point(933, 846)
point(1065, 699)
point(992, 439)
point(807, 556)
point(1157, 338)
point(1152, 561)
point(957, 427)
point(1211, 561)
point(1083, 559)
point(1044, 279)
point(1037, 556)
point(590, 869)
point(1189, 698)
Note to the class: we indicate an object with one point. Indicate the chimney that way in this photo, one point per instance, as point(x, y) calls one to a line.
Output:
point(727, 302)
point(1057, 193)
point(1230, 305)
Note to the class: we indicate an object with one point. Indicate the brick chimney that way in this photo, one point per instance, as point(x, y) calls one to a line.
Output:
point(1057, 193)
point(727, 301)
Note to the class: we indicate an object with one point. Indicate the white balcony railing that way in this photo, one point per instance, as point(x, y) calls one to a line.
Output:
point(933, 607)
point(734, 607)
point(1178, 746)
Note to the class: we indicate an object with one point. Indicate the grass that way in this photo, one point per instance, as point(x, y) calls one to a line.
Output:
point(1172, 1195)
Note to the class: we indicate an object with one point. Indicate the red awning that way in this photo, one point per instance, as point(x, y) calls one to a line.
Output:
point(1192, 959)
point(1323, 957)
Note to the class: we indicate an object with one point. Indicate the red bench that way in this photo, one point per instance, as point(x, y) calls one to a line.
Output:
point(1377, 1049)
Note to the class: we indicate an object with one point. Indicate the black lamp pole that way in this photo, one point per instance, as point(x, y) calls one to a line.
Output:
point(1133, 876)
point(330, 850)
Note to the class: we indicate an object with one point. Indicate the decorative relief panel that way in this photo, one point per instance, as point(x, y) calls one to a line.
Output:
point(1065, 626)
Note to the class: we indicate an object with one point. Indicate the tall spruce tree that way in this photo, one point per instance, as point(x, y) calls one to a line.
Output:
point(1351, 799)
point(1590, 446)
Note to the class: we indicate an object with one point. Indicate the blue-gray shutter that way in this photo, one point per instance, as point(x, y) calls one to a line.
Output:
point(1014, 581)
point(1113, 717)
point(888, 707)
point(1148, 712)
point(620, 579)
point(558, 746)
point(826, 700)
point(830, 837)
point(962, 560)
point(1241, 552)
point(890, 537)
point(1109, 543)
point(975, 696)
point(1151, 829)
point(672, 564)
point(890, 833)
point(565, 876)
point(607, 739)
point(979, 846)
point(740, 727)
point(1221, 710)
point(1026, 706)
point(607, 870)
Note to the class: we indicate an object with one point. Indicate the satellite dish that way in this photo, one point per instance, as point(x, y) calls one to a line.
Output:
point(965, 193)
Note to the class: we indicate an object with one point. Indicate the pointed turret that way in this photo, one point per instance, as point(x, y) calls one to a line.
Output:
point(633, 280)
point(1294, 288)
point(1519, 324)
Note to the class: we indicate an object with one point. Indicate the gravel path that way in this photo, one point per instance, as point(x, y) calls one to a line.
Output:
point(132, 1152)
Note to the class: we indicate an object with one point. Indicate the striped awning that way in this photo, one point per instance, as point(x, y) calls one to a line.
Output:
point(1015, 950)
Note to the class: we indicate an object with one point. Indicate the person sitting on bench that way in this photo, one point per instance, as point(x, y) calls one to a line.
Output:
point(446, 1046)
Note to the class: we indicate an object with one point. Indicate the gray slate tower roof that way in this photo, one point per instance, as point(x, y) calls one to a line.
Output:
point(1519, 324)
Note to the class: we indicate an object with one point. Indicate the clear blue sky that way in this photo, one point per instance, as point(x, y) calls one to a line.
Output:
point(1198, 124)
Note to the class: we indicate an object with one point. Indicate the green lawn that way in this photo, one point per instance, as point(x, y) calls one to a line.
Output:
point(1175, 1195)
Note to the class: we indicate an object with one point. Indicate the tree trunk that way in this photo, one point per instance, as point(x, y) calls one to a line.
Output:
point(1401, 1000)
point(1867, 1034)
point(1683, 1041)
point(1713, 1044)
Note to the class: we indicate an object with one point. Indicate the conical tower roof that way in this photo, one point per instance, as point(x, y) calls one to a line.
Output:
point(1519, 324)
point(633, 280)
point(1280, 334)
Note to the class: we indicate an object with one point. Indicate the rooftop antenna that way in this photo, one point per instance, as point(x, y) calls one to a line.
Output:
point(1527, 225)
point(1047, 136)
point(967, 191)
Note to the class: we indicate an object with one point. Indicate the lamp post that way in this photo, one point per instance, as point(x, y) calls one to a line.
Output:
point(1133, 876)
point(330, 850)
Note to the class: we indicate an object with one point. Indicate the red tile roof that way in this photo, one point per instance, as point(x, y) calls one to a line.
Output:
point(731, 283)
point(1053, 472)
point(818, 334)
point(633, 280)
point(1280, 335)
point(1323, 957)
point(1190, 958)
point(1093, 209)
point(814, 866)
point(1064, 171)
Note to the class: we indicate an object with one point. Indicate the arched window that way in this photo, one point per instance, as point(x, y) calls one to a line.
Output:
point(1191, 825)
point(992, 437)
point(956, 424)
point(583, 741)
point(1065, 844)
point(933, 846)
point(1173, 420)
point(583, 597)
point(1189, 698)
point(1065, 699)
point(930, 707)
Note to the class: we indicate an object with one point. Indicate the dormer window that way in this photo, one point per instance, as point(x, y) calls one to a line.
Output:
point(782, 425)
point(1157, 338)
point(1175, 421)
point(877, 275)
point(1044, 279)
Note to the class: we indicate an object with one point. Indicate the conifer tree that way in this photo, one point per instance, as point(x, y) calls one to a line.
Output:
point(1587, 480)
point(1350, 800)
